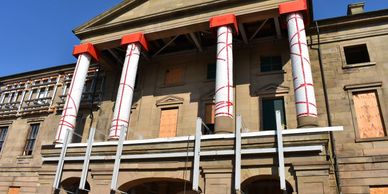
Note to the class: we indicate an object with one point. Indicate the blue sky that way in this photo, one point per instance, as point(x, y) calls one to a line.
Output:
point(38, 34)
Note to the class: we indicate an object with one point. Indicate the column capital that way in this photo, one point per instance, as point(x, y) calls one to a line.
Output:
point(135, 38)
point(293, 6)
point(224, 20)
point(86, 48)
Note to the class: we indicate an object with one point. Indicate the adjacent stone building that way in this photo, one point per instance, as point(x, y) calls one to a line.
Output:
point(193, 87)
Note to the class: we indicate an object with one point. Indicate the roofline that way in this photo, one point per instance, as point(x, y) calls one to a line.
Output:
point(33, 72)
point(352, 19)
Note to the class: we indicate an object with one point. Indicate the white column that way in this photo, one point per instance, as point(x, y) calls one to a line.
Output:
point(124, 97)
point(301, 67)
point(224, 73)
point(73, 99)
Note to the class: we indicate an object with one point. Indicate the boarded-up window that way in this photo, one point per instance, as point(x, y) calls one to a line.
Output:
point(209, 116)
point(14, 190)
point(379, 190)
point(174, 76)
point(168, 122)
point(368, 114)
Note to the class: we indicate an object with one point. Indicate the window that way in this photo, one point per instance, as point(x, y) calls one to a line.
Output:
point(356, 54)
point(168, 122)
point(368, 114)
point(269, 106)
point(378, 190)
point(13, 190)
point(79, 128)
point(209, 117)
point(31, 138)
point(3, 134)
point(272, 63)
point(173, 76)
point(211, 71)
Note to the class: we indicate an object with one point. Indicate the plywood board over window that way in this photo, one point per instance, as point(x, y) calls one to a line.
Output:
point(168, 122)
point(209, 113)
point(379, 190)
point(14, 190)
point(174, 76)
point(369, 119)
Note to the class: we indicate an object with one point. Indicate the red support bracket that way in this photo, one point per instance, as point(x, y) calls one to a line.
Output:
point(224, 20)
point(133, 38)
point(86, 48)
point(295, 6)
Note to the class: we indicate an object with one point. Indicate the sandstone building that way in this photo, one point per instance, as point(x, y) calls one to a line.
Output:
point(192, 87)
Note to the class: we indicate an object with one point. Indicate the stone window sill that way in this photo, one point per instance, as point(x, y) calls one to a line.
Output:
point(348, 66)
point(173, 85)
point(271, 73)
point(363, 140)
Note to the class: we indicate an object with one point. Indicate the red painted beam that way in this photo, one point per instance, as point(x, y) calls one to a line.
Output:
point(86, 48)
point(293, 6)
point(224, 20)
point(135, 38)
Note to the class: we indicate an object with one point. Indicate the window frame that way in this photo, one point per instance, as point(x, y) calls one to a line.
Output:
point(207, 71)
point(271, 71)
point(169, 102)
point(374, 86)
point(371, 52)
point(5, 137)
point(27, 139)
point(262, 111)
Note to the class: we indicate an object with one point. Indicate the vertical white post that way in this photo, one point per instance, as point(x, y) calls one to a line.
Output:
point(224, 73)
point(301, 67)
point(58, 173)
point(116, 167)
point(23, 95)
point(55, 90)
point(85, 167)
point(70, 110)
point(124, 97)
point(280, 149)
point(197, 152)
point(237, 153)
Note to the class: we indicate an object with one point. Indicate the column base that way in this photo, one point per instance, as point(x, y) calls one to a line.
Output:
point(224, 124)
point(305, 122)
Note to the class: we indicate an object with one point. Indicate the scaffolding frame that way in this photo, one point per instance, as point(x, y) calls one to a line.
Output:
point(195, 154)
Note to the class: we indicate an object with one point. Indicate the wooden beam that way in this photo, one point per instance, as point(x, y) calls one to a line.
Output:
point(196, 41)
point(243, 34)
point(116, 56)
point(258, 29)
point(277, 26)
point(166, 45)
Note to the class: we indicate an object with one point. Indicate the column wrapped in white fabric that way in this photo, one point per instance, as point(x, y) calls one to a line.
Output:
point(301, 68)
point(224, 74)
point(124, 97)
point(73, 99)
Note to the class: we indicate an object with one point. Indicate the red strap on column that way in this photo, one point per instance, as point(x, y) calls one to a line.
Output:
point(224, 20)
point(133, 38)
point(86, 48)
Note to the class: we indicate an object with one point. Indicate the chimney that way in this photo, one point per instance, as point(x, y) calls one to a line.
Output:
point(356, 8)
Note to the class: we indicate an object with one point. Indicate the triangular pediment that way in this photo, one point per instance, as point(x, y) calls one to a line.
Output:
point(169, 100)
point(272, 89)
point(137, 10)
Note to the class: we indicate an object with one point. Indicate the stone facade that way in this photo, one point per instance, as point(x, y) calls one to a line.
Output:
point(359, 163)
